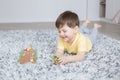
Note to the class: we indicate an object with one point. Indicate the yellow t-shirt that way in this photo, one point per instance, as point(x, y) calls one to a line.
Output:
point(80, 44)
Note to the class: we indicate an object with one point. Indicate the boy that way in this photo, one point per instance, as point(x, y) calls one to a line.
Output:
point(70, 39)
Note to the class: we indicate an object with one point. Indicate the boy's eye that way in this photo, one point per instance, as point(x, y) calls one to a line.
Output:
point(64, 31)
point(59, 31)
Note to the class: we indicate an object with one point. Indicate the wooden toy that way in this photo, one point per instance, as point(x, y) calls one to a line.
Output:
point(27, 55)
point(55, 59)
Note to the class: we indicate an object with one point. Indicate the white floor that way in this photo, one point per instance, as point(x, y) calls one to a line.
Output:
point(108, 28)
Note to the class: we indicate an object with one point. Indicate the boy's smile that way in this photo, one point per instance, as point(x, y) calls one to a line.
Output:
point(67, 33)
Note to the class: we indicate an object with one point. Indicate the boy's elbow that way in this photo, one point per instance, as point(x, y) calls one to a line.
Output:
point(80, 57)
point(77, 58)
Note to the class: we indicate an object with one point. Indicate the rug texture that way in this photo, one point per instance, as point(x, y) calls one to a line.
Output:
point(102, 63)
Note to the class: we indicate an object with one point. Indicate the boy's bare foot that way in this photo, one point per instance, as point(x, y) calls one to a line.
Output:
point(87, 22)
point(97, 25)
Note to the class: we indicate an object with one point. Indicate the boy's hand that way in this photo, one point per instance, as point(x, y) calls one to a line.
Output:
point(63, 60)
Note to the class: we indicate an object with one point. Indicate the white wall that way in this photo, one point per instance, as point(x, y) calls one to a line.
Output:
point(93, 9)
point(112, 7)
point(44, 10)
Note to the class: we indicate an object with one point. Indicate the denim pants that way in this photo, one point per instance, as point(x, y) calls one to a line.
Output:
point(91, 33)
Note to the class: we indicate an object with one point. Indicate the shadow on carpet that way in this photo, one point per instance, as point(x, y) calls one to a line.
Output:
point(102, 63)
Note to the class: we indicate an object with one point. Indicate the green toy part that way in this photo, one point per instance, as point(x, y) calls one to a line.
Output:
point(55, 59)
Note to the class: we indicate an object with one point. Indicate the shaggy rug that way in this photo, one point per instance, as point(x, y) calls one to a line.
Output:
point(102, 63)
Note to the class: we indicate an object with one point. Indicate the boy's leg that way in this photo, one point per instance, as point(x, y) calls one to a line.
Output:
point(84, 30)
point(94, 32)
point(84, 27)
point(93, 35)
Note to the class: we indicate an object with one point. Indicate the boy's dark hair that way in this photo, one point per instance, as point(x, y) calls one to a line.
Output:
point(69, 18)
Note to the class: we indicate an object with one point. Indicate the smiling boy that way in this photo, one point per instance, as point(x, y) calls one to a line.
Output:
point(70, 39)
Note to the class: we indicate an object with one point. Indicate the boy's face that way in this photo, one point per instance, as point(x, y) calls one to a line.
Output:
point(67, 33)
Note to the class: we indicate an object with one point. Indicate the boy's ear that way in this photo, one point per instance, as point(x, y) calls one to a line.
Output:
point(76, 28)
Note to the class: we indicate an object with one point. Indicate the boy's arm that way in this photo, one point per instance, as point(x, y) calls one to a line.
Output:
point(59, 53)
point(80, 56)
point(74, 58)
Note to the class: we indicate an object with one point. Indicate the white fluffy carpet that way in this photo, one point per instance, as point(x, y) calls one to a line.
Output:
point(102, 63)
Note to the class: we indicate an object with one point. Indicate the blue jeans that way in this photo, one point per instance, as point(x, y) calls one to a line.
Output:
point(91, 33)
